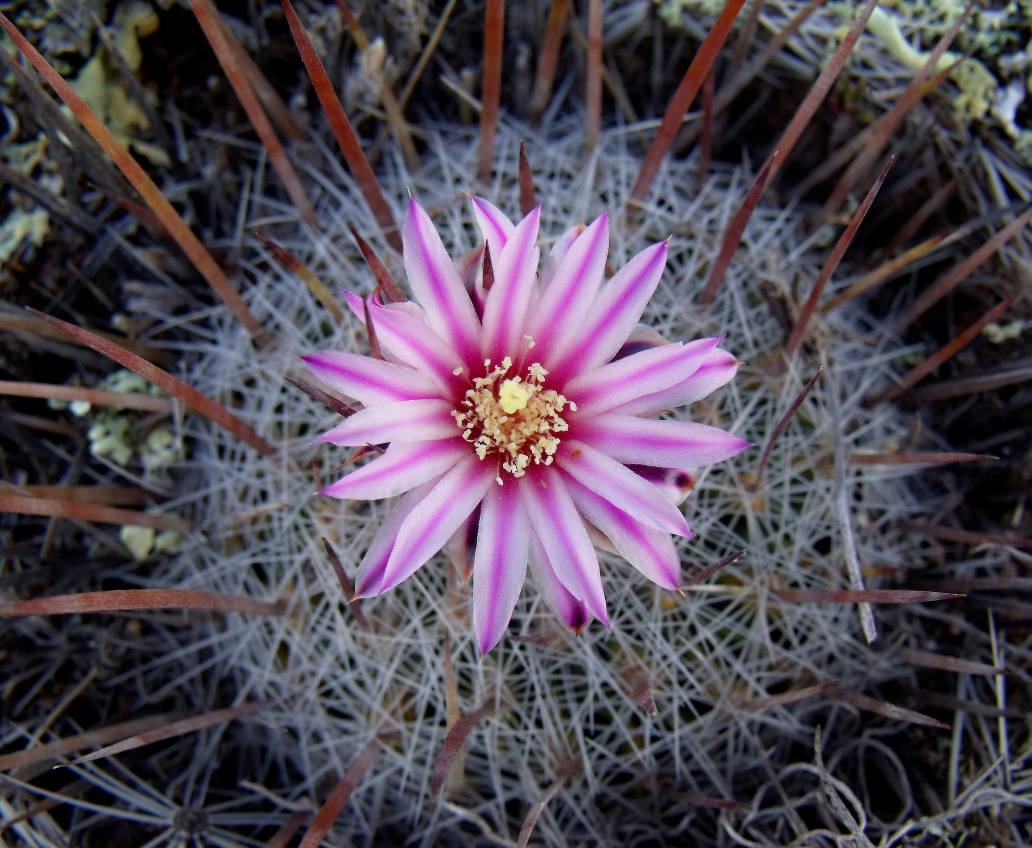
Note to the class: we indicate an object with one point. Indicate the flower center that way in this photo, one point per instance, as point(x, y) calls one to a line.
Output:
point(513, 417)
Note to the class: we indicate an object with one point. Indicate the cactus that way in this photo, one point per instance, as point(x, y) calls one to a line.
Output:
point(759, 708)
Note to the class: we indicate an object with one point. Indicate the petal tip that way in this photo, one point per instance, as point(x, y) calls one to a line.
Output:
point(367, 588)
point(487, 644)
point(684, 531)
point(672, 585)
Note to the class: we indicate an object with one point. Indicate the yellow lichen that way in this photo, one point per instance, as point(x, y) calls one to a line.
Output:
point(997, 333)
point(22, 229)
point(139, 540)
point(101, 86)
point(885, 26)
point(143, 541)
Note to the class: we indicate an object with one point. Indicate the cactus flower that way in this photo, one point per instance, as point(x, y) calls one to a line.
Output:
point(519, 411)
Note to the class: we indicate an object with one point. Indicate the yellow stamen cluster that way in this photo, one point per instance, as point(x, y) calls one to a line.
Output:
point(515, 418)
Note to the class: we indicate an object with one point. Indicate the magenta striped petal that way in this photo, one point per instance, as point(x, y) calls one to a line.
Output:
point(461, 548)
point(407, 336)
point(440, 513)
point(357, 306)
point(494, 225)
point(647, 372)
point(403, 421)
point(651, 551)
point(402, 466)
point(620, 486)
point(556, 254)
point(500, 563)
point(369, 380)
point(598, 538)
point(371, 569)
point(564, 606)
point(437, 286)
point(717, 369)
point(641, 338)
point(569, 295)
point(354, 302)
point(470, 268)
point(558, 525)
point(675, 483)
point(643, 441)
point(515, 270)
point(613, 316)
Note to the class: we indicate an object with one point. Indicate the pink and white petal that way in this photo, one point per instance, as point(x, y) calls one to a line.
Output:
point(408, 314)
point(494, 225)
point(427, 528)
point(369, 380)
point(599, 539)
point(675, 483)
point(515, 271)
point(500, 563)
point(374, 563)
point(564, 606)
point(718, 369)
point(645, 373)
point(401, 421)
point(462, 546)
point(624, 489)
point(613, 315)
point(408, 337)
point(641, 338)
point(645, 441)
point(437, 286)
point(401, 467)
point(558, 525)
point(651, 551)
point(572, 290)
point(470, 267)
point(356, 302)
point(558, 251)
